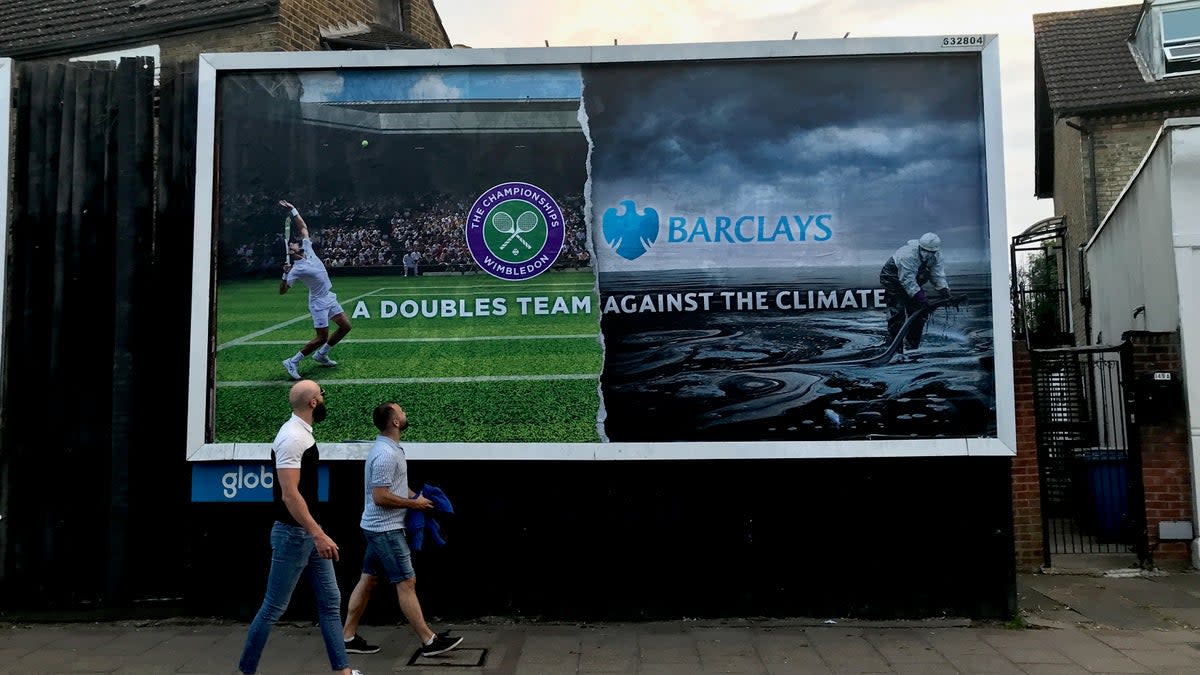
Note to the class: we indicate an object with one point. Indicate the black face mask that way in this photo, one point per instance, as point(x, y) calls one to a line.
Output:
point(319, 413)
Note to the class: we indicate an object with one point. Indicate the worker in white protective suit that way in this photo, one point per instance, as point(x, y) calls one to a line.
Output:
point(903, 276)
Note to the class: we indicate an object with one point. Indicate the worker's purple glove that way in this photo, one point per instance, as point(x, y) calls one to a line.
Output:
point(921, 297)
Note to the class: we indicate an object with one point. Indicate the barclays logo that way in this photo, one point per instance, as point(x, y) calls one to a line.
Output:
point(630, 234)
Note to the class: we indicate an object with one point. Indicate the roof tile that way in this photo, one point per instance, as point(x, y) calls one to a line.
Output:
point(31, 26)
point(1089, 67)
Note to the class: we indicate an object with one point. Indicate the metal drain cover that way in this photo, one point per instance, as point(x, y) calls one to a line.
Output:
point(455, 658)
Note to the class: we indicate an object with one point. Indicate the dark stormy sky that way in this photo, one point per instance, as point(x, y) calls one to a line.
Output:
point(892, 146)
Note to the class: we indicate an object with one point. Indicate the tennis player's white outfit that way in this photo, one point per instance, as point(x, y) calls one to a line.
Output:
point(322, 301)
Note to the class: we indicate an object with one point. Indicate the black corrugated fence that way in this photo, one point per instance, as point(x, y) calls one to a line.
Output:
point(97, 334)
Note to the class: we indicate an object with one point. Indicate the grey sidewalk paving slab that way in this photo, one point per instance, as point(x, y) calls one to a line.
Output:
point(730, 652)
point(783, 651)
point(924, 669)
point(959, 642)
point(1053, 669)
point(608, 653)
point(1127, 641)
point(1094, 655)
point(1085, 644)
point(903, 647)
point(1026, 649)
point(847, 651)
point(795, 669)
point(133, 642)
point(1167, 657)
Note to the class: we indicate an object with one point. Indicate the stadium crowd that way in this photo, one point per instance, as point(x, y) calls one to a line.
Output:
point(423, 234)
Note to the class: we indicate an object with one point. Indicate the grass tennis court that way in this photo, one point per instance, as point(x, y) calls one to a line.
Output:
point(529, 375)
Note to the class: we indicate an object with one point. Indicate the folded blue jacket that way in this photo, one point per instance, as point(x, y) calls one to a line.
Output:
point(422, 524)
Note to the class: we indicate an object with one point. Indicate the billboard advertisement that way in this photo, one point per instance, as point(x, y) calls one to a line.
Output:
point(780, 249)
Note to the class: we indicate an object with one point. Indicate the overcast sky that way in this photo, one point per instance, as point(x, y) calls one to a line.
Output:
point(527, 23)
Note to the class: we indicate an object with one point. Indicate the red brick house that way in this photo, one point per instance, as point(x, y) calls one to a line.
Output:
point(1111, 84)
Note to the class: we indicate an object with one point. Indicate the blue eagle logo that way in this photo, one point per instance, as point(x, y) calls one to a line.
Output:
point(630, 234)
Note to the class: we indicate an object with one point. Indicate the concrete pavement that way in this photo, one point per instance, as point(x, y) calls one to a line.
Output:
point(1070, 624)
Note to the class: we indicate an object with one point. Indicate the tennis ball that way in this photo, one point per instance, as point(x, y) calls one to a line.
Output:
point(364, 143)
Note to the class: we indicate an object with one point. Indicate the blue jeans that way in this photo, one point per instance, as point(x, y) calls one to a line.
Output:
point(294, 552)
point(388, 556)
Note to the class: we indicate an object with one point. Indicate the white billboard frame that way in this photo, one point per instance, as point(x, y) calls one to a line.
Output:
point(6, 80)
point(211, 66)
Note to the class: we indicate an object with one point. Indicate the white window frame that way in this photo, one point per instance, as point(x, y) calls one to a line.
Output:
point(1167, 45)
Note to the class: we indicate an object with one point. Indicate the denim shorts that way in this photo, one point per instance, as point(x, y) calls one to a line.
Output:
point(388, 556)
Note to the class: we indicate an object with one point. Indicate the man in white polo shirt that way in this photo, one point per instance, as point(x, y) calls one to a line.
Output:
point(385, 504)
point(323, 304)
point(298, 543)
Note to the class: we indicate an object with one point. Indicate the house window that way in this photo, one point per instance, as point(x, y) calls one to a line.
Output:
point(390, 13)
point(1181, 40)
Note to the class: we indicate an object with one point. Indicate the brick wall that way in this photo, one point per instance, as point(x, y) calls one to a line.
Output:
point(301, 21)
point(421, 19)
point(260, 36)
point(1071, 162)
point(1026, 488)
point(1164, 443)
point(1120, 146)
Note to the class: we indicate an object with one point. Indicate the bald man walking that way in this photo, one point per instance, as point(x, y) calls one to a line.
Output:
point(298, 544)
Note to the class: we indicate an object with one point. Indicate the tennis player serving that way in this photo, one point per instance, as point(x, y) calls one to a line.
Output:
point(306, 267)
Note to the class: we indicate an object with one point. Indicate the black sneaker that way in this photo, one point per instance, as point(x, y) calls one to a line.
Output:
point(357, 645)
point(440, 644)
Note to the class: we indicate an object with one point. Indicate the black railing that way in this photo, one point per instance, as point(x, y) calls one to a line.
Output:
point(1039, 288)
point(1088, 453)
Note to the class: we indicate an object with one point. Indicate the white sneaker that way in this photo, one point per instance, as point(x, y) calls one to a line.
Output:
point(292, 371)
point(356, 672)
point(324, 360)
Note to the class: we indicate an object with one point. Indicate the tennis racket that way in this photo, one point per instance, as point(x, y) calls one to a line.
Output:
point(287, 237)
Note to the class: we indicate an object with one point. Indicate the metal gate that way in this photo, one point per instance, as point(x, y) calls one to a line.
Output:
point(1089, 457)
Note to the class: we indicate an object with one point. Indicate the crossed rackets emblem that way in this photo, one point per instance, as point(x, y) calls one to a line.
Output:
point(525, 223)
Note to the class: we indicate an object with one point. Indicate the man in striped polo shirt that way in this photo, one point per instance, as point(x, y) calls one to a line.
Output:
point(386, 501)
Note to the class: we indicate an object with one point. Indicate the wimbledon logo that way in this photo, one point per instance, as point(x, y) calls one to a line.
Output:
point(630, 234)
point(515, 231)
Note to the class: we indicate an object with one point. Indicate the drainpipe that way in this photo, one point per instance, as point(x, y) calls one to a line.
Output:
point(1085, 296)
point(1093, 225)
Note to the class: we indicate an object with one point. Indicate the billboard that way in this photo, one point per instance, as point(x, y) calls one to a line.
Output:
point(736, 250)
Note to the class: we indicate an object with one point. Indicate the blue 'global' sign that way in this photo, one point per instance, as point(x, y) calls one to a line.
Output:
point(243, 482)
